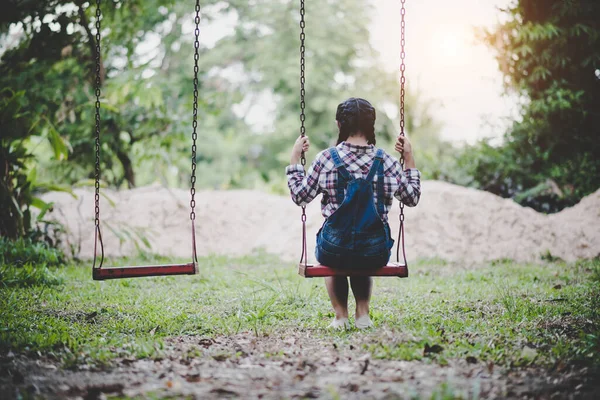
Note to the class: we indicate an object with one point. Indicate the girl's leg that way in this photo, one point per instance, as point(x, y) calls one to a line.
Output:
point(337, 288)
point(361, 287)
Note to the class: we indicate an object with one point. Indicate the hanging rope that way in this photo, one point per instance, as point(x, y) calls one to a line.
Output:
point(97, 232)
point(402, 92)
point(304, 255)
point(194, 132)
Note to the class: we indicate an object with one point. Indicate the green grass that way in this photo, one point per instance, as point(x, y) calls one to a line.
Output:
point(501, 313)
point(27, 263)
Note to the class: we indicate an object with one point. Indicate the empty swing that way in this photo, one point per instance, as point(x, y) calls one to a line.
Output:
point(398, 269)
point(103, 273)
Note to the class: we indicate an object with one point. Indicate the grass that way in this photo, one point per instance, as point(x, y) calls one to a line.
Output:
point(25, 263)
point(501, 313)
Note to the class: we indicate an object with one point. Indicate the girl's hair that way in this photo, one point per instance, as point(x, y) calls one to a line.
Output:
point(356, 115)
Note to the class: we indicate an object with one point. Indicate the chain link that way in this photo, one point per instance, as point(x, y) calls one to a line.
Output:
point(402, 77)
point(97, 83)
point(402, 119)
point(195, 112)
point(303, 119)
point(302, 78)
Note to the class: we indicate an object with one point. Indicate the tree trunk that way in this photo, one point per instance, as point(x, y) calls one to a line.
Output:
point(128, 172)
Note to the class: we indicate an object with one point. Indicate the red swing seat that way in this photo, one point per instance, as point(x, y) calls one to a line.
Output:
point(101, 274)
point(319, 271)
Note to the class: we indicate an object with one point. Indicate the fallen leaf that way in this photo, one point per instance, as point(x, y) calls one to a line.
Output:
point(312, 393)
point(220, 357)
point(193, 378)
point(353, 387)
point(364, 368)
point(471, 360)
point(91, 315)
point(223, 391)
point(206, 342)
point(436, 348)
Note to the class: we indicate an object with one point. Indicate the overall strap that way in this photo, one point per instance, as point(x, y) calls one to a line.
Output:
point(339, 164)
point(343, 175)
point(377, 168)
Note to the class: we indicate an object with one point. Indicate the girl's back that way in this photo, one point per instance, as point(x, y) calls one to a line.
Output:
point(323, 177)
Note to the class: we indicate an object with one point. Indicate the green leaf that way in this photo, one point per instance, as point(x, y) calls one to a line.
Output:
point(59, 146)
point(42, 206)
point(32, 175)
point(54, 187)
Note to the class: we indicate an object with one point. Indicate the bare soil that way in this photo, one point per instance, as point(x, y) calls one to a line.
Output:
point(452, 223)
point(294, 365)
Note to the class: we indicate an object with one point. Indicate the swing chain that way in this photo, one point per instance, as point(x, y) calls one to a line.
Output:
point(97, 173)
point(402, 77)
point(302, 119)
point(402, 82)
point(302, 78)
point(195, 112)
point(97, 234)
point(402, 123)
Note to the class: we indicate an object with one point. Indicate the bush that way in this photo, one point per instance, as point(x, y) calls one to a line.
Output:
point(26, 263)
point(28, 275)
point(24, 251)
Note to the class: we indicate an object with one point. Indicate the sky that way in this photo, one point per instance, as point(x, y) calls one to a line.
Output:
point(446, 64)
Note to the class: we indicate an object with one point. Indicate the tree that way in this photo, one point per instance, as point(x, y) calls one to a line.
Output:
point(46, 72)
point(340, 62)
point(146, 76)
point(549, 53)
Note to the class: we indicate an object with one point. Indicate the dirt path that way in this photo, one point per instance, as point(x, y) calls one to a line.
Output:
point(295, 365)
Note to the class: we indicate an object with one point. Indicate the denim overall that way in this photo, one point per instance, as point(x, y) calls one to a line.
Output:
point(355, 236)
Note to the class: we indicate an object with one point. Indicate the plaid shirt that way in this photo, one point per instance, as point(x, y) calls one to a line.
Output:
point(322, 178)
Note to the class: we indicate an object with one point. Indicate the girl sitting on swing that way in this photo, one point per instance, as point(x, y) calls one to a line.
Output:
point(358, 183)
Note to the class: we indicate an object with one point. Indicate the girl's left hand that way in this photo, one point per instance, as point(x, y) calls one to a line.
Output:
point(403, 146)
point(302, 145)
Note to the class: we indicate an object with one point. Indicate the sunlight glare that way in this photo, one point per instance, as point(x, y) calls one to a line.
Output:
point(451, 46)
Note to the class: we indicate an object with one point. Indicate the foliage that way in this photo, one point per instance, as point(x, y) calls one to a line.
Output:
point(19, 186)
point(25, 251)
point(549, 53)
point(488, 313)
point(27, 263)
point(28, 275)
point(147, 86)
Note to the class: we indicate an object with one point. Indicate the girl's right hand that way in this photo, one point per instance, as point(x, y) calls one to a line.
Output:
point(404, 147)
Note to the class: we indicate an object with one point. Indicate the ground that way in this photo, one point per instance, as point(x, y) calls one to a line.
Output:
point(250, 328)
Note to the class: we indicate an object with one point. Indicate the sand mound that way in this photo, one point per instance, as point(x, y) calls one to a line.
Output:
point(451, 222)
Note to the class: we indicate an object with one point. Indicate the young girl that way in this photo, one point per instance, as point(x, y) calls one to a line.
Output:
point(358, 183)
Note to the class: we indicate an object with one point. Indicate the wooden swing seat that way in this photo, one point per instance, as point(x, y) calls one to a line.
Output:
point(101, 274)
point(320, 271)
